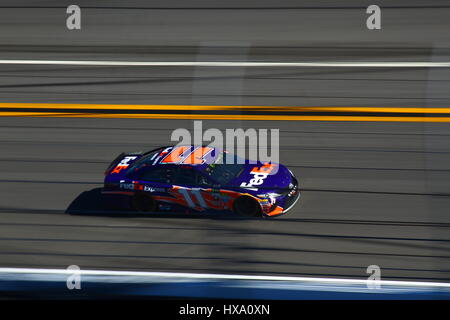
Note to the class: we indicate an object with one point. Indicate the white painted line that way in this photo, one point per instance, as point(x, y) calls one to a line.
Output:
point(206, 276)
point(399, 64)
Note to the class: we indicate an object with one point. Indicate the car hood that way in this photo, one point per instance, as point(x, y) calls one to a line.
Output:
point(263, 177)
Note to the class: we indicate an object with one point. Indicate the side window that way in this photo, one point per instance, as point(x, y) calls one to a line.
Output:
point(204, 181)
point(154, 175)
point(185, 176)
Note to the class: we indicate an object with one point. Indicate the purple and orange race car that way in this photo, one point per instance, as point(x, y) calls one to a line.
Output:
point(201, 179)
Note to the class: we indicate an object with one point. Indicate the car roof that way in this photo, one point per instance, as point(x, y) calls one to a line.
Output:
point(186, 155)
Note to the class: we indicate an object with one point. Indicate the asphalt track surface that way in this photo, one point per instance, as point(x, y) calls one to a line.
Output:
point(374, 193)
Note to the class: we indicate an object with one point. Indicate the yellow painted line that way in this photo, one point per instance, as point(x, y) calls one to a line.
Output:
point(224, 117)
point(107, 106)
point(139, 107)
point(87, 114)
point(199, 108)
point(379, 109)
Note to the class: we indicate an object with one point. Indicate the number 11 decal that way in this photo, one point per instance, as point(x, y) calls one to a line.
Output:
point(197, 194)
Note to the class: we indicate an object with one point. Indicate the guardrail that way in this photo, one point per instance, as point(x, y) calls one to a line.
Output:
point(18, 282)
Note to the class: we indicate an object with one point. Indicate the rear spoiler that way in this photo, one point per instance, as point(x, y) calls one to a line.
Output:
point(119, 158)
point(123, 155)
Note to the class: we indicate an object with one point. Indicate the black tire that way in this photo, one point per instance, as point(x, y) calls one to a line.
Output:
point(143, 202)
point(247, 207)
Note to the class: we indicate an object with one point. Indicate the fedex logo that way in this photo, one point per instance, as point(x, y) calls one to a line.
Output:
point(259, 174)
point(123, 164)
point(136, 185)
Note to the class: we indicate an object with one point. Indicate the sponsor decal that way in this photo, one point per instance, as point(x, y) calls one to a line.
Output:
point(123, 164)
point(265, 203)
point(135, 185)
point(259, 175)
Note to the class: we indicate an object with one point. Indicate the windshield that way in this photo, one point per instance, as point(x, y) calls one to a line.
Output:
point(223, 173)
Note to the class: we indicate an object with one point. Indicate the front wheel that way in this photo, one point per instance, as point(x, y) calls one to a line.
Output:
point(143, 202)
point(247, 206)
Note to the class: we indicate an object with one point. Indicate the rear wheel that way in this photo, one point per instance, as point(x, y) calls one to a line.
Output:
point(247, 206)
point(143, 202)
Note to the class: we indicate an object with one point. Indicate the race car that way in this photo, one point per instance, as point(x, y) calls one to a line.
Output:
point(201, 179)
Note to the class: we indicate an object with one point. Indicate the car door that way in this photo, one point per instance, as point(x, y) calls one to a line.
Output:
point(151, 179)
point(198, 191)
point(185, 186)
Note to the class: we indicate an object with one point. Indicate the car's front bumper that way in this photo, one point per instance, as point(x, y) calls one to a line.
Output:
point(278, 210)
point(290, 203)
